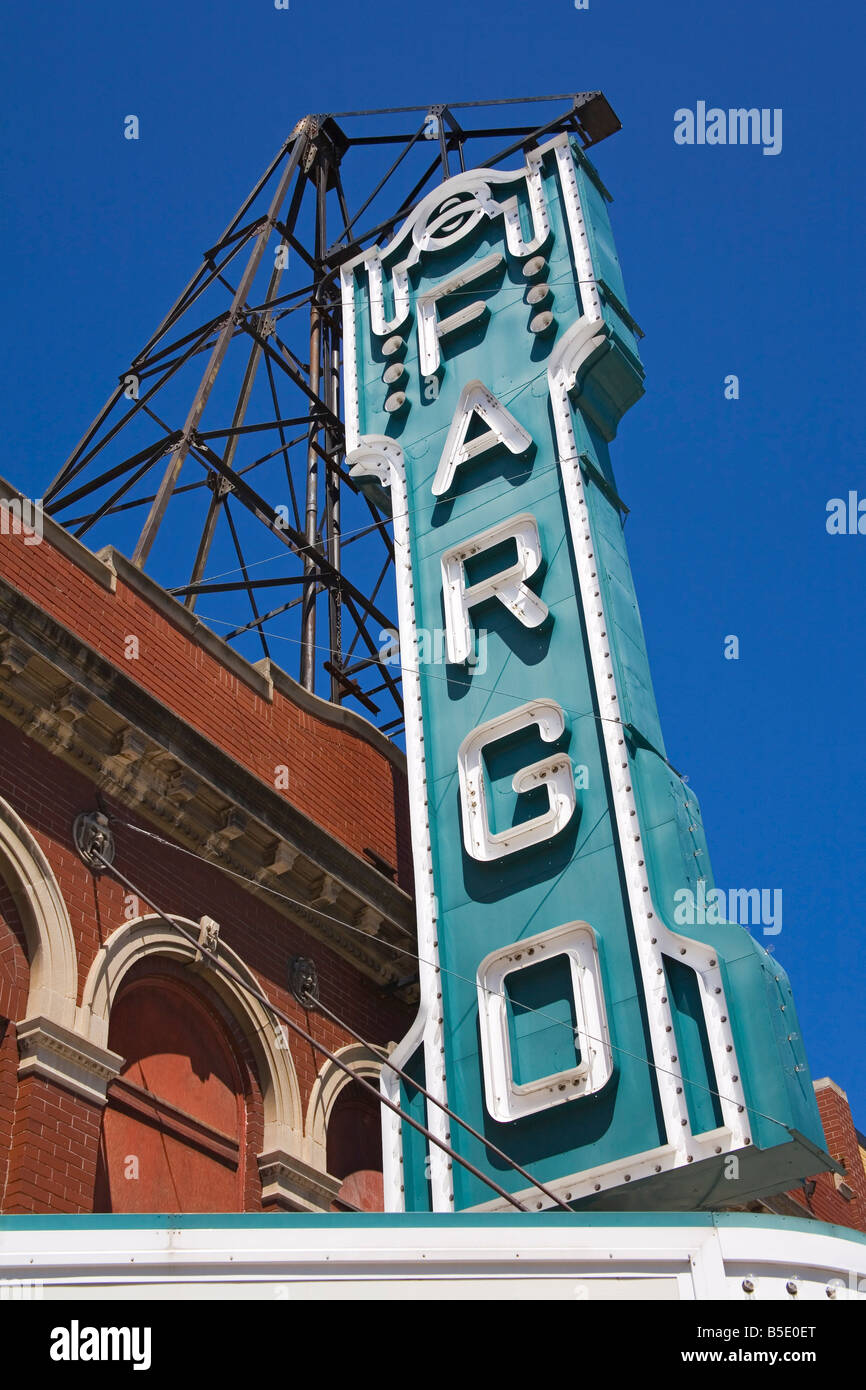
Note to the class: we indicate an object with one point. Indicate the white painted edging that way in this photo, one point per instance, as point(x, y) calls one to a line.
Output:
point(515, 1258)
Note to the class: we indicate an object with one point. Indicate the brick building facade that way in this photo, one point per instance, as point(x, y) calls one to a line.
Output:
point(838, 1198)
point(133, 1077)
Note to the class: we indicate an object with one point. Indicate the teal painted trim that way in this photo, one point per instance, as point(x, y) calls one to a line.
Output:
point(425, 1221)
point(693, 1047)
point(586, 163)
point(590, 470)
point(616, 303)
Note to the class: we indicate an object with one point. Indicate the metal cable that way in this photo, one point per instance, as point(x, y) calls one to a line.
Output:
point(413, 955)
point(230, 974)
point(404, 1076)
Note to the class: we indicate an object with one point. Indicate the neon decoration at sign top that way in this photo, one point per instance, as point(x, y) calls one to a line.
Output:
point(489, 358)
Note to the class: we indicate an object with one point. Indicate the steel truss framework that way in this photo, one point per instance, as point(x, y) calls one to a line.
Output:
point(254, 339)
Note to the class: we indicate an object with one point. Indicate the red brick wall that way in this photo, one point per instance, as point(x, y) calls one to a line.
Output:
point(48, 1135)
point(52, 1166)
point(14, 977)
point(243, 1057)
point(55, 1132)
point(335, 776)
point(49, 797)
point(211, 1076)
point(826, 1202)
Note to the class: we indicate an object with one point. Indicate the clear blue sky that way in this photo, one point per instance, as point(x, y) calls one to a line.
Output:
point(735, 263)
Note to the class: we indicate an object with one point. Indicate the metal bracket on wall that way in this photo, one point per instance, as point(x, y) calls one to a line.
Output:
point(93, 840)
point(304, 981)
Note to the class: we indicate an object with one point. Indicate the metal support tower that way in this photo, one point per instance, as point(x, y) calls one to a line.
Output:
point(264, 483)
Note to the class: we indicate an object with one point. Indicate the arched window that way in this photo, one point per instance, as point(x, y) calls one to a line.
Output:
point(173, 1131)
point(355, 1148)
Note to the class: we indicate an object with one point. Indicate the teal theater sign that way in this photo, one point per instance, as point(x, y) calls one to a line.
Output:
point(621, 1058)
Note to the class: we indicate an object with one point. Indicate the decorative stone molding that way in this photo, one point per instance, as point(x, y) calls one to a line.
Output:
point(191, 790)
point(370, 921)
point(208, 937)
point(234, 824)
point(294, 1184)
point(40, 904)
point(147, 937)
point(129, 746)
point(232, 827)
point(284, 858)
point(48, 728)
point(13, 654)
point(182, 786)
point(58, 1054)
point(363, 1061)
point(325, 893)
point(71, 704)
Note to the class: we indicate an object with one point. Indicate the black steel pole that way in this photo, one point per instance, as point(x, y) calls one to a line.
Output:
point(307, 674)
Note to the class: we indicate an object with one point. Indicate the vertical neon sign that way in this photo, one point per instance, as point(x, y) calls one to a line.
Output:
point(490, 356)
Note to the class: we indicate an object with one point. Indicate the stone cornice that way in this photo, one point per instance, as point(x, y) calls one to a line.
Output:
point(89, 713)
point(294, 1184)
point(66, 1058)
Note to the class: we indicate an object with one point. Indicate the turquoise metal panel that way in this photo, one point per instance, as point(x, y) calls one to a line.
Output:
point(580, 873)
point(430, 1221)
point(541, 1020)
point(415, 1164)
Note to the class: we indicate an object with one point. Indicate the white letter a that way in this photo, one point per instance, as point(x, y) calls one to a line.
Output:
point(502, 428)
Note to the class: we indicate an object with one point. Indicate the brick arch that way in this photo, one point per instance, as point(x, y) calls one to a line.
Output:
point(354, 1152)
point(160, 970)
point(148, 938)
point(331, 1080)
point(44, 919)
point(14, 958)
point(179, 1106)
